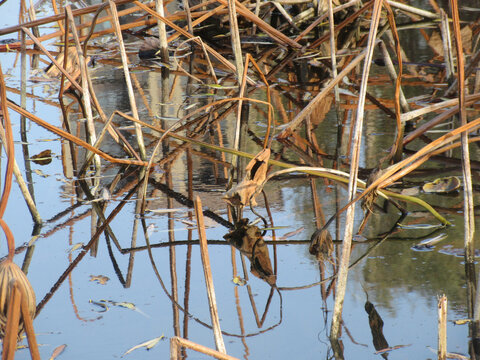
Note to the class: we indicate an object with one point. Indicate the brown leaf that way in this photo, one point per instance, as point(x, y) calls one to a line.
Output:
point(243, 194)
point(43, 158)
point(101, 279)
point(442, 185)
point(248, 239)
point(58, 350)
point(321, 244)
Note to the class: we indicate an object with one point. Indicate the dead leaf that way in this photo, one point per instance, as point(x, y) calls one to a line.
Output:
point(101, 279)
point(243, 194)
point(58, 350)
point(42, 158)
point(101, 304)
point(76, 247)
point(248, 239)
point(443, 185)
point(321, 244)
point(237, 280)
point(147, 345)
point(462, 321)
point(40, 173)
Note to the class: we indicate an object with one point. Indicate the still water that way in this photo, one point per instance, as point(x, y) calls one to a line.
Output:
point(91, 311)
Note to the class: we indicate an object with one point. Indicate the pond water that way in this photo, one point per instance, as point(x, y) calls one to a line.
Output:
point(90, 311)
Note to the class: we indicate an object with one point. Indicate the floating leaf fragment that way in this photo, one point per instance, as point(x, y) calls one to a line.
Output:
point(443, 185)
point(101, 304)
point(462, 321)
point(57, 351)
point(101, 279)
point(420, 226)
point(429, 243)
point(126, 305)
point(147, 345)
point(40, 173)
point(76, 247)
point(42, 158)
point(237, 280)
point(391, 349)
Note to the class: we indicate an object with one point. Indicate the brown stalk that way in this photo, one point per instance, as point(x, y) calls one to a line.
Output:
point(235, 41)
point(274, 33)
point(307, 110)
point(344, 23)
point(82, 61)
point(190, 36)
point(397, 149)
point(162, 32)
point(53, 18)
point(8, 146)
point(396, 171)
point(128, 80)
point(470, 99)
point(207, 271)
point(352, 184)
point(468, 208)
point(177, 342)
point(333, 49)
point(442, 328)
point(198, 21)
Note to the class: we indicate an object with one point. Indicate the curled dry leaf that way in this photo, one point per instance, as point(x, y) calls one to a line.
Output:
point(248, 239)
point(243, 194)
point(443, 185)
point(147, 345)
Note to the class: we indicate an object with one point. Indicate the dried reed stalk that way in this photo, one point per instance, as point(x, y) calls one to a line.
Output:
point(400, 101)
point(307, 110)
point(413, 10)
point(128, 80)
point(162, 32)
point(22, 185)
point(274, 33)
point(207, 271)
point(468, 205)
point(177, 342)
point(442, 328)
point(190, 36)
point(6, 136)
point(447, 45)
point(333, 47)
point(235, 40)
point(82, 57)
point(54, 18)
point(352, 184)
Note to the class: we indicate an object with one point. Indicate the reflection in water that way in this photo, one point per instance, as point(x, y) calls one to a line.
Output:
point(283, 315)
